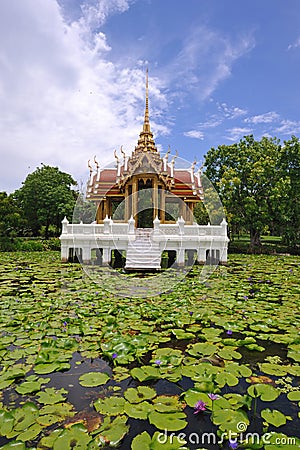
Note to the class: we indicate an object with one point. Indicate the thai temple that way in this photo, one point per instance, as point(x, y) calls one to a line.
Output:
point(144, 208)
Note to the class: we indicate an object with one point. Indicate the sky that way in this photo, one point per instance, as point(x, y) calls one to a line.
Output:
point(72, 78)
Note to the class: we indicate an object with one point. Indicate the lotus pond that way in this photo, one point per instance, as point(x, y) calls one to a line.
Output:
point(208, 365)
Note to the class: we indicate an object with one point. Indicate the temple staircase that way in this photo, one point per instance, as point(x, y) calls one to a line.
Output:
point(143, 253)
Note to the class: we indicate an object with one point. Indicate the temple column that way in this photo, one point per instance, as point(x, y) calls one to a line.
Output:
point(86, 254)
point(155, 198)
point(106, 255)
point(201, 255)
point(126, 218)
point(180, 253)
point(134, 200)
point(163, 206)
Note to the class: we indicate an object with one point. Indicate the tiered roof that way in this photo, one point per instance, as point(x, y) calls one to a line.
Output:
point(145, 159)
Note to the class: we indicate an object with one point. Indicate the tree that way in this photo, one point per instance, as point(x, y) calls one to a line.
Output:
point(11, 221)
point(46, 197)
point(250, 181)
point(290, 166)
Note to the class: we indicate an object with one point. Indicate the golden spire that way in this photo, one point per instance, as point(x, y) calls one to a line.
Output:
point(146, 126)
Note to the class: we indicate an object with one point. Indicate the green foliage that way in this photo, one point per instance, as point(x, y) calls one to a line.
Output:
point(46, 197)
point(11, 221)
point(258, 184)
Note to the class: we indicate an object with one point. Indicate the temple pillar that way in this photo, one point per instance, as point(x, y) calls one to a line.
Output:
point(64, 252)
point(163, 206)
point(86, 255)
point(155, 199)
point(180, 256)
point(134, 200)
point(201, 255)
point(106, 255)
point(127, 215)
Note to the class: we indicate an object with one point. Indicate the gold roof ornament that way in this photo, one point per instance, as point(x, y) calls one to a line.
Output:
point(146, 142)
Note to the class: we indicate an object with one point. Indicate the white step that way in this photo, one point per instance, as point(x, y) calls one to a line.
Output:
point(142, 253)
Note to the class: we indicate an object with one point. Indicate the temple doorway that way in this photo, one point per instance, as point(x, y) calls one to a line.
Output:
point(145, 203)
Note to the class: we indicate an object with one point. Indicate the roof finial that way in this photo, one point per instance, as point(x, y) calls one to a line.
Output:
point(146, 127)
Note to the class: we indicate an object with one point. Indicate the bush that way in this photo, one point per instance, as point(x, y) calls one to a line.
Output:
point(29, 245)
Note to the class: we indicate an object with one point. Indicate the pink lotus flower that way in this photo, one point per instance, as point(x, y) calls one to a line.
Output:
point(200, 406)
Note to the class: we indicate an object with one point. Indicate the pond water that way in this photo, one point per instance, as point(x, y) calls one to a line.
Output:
point(81, 368)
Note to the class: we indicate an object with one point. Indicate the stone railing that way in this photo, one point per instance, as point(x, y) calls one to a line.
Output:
point(109, 227)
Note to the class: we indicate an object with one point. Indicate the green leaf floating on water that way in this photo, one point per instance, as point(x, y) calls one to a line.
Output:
point(32, 384)
point(229, 353)
point(168, 421)
point(25, 416)
point(181, 334)
point(7, 377)
point(266, 392)
point(294, 396)
point(145, 373)
point(167, 403)
point(273, 369)
point(111, 406)
point(138, 410)
point(224, 378)
point(139, 394)
point(158, 441)
point(75, 437)
point(112, 433)
point(273, 417)
point(42, 369)
point(229, 419)
point(51, 396)
point(202, 349)
point(167, 356)
point(62, 410)
point(14, 445)
point(294, 352)
point(30, 433)
point(6, 422)
point(92, 379)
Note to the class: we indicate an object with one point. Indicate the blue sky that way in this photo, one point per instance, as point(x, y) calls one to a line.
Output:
point(72, 78)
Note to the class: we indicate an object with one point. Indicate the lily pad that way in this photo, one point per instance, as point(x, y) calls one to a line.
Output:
point(273, 417)
point(167, 403)
point(139, 394)
point(294, 396)
point(273, 369)
point(145, 373)
point(230, 419)
point(202, 349)
point(168, 421)
point(266, 392)
point(111, 406)
point(138, 410)
point(93, 379)
point(75, 437)
point(113, 432)
point(51, 396)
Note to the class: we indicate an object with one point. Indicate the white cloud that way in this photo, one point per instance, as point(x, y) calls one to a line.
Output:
point(194, 134)
point(96, 12)
point(268, 117)
point(231, 112)
point(288, 127)
point(296, 44)
point(206, 59)
point(236, 133)
point(64, 100)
